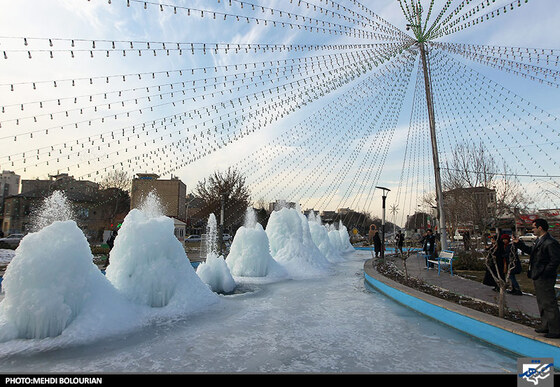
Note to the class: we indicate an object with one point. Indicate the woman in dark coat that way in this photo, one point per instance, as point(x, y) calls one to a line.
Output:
point(376, 243)
point(497, 245)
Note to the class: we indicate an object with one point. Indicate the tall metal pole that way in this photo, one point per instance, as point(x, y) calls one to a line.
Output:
point(221, 228)
point(383, 197)
point(432, 122)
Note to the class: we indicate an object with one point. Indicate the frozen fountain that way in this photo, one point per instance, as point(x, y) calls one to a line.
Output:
point(149, 265)
point(214, 270)
point(291, 244)
point(51, 281)
point(53, 289)
point(320, 236)
point(346, 246)
point(249, 255)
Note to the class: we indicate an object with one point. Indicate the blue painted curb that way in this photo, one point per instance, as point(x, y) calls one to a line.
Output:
point(494, 335)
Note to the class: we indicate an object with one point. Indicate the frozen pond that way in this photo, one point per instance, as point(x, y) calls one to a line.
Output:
point(331, 324)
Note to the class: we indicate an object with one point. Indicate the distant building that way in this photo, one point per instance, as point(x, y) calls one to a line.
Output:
point(470, 208)
point(171, 193)
point(9, 185)
point(523, 222)
point(95, 209)
point(344, 211)
point(279, 204)
point(328, 216)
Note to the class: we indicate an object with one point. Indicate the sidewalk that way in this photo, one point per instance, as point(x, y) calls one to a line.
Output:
point(416, 267)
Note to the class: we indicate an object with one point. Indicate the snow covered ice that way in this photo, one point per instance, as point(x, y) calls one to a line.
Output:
point(249, 255)
point(320, 236)
point(149, 265)
point(292, 246)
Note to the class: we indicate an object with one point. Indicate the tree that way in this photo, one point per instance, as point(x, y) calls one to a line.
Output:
point(115, 189)
point(231, 188)
point(477, 190)
point(502, 279)
point(117, 179)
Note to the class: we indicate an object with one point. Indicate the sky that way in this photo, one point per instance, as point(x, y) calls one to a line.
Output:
point(89, 87)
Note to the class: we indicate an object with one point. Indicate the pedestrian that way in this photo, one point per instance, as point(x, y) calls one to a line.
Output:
point(543, 266)
point(400, 241)
point(371, 233)
point(497, 263)
point(111, 240)
point(511, 258)
point(429, 246)
point(111, 243)
point(376, 243)
point(467, 240)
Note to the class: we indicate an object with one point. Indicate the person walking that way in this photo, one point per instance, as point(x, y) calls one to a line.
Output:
point(111, 243)
point(371, 233)
point(376, 243)
point(400, 241)
point(496, 248)
point(509, 255)
point(429, 246)
point(543, 266)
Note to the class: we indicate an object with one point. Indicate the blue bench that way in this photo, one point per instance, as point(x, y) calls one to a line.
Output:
point(445, 258)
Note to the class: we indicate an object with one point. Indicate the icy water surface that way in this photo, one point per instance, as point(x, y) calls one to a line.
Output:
point(323, 325)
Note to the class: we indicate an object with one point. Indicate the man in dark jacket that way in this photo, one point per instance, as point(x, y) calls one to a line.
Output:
point(429, 246)
point(543, 266)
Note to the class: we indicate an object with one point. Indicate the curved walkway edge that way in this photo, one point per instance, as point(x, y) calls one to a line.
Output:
point(513, 337)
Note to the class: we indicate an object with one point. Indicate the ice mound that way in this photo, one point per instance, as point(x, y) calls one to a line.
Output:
point(345, 244)
point(291, 244)
point(334, 237)
point(214, 271)
point(149, 264)
point(320, 237)
point(249, 255)
point(50, 281)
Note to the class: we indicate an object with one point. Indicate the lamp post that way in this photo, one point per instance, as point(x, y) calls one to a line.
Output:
point(383, 197)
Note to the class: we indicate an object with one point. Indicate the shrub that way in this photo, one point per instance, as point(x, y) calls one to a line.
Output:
point(469, 260)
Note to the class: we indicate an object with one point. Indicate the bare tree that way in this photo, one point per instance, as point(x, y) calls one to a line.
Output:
point(117, 179)
point(231, 188)
point(502, 282)
point(116, 186)
point(477, 189)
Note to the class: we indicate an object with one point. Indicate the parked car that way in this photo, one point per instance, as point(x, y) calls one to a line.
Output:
point(227, 237)
point(528, 238)
point(12, 240)
point(193, 238)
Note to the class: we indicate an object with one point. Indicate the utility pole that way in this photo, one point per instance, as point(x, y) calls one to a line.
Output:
point(432, 122)
point(383, 197)
point(221, 228)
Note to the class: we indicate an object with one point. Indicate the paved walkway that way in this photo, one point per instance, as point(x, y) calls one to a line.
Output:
point(416, 267)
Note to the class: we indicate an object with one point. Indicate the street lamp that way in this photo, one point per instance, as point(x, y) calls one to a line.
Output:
point(384, 196)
